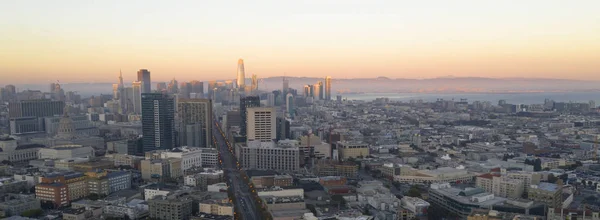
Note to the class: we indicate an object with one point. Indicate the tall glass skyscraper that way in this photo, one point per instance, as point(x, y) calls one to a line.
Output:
point(241, 75)
point(158, 121)
point(143, 75)
point(328, 88)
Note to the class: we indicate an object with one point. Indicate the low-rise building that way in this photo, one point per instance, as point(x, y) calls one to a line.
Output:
point(217, 207)
point(335, 168)
point(170, 208)
point(416, 206)
point(210, 157)
point(10, 185)
point(347, 150)
point(11, 151)
point(440, 175)
point(81, 213)
point(461, 201)
point(15, 204)
point(277, 203)
point(75, 183)
point(135, 209)
point(502, 186)
point(203, 179)
point(271, 181)
point(161, 168)
point(547, 193)
point(65, 152)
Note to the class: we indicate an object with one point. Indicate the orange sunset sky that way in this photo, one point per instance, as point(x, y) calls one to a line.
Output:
point(89, 41)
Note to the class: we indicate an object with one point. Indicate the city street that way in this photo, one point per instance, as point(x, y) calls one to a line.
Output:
point(244, 202)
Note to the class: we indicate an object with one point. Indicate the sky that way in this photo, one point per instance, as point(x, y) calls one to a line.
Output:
point(91, 40)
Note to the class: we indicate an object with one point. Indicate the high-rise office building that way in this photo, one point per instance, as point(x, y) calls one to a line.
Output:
point(161, 86)
point(143, 75)
point(286, 86)
point(328, 88)
point(241, 75)
point(173, 88)
point(318, 90)
point(254, 87)
point(289, 104)
point(185, 88)
point(36, 108)
point(261, 124)
point(158, 121)
point(245, 103)
point(136, 97)
point(195, 112)
point(198, 88)
point(308, 91)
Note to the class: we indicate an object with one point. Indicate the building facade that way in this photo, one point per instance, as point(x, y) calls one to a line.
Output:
point(261, 124)
point(192, 112)
point(158, 121)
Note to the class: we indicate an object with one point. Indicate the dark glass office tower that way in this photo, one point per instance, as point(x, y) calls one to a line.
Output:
point(158, 121)
point(143, 75)
point(247, 102)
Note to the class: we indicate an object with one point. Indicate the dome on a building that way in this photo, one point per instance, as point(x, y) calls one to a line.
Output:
point(66, 129)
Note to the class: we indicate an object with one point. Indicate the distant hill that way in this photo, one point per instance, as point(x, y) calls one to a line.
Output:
point(385, 84)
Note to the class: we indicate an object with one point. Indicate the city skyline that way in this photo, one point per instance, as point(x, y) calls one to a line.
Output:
point(536, 39)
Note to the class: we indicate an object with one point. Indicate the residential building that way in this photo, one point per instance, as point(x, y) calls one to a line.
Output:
point(220, 207)
point(528, 178)
point(75, 182)
point(312, 146)
point(547, 193)
point(277, 203)
point(261, 124)
point(335, 168)
point(501, 186)
point(203, 179)
point(328, 88)
point(81, 213)
point(415, 205)
point(272, 181)
point(158, 121)
point(209, 157)
point(15, 204)
point(191, 157)
point(269, 156)
point(192, 113)
point(52, 194)
point(170, 208)
point(245, 103)
point(135, 209)
point(161, 168)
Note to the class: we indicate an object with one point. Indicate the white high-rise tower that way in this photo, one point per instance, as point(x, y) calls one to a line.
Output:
point(241, 75)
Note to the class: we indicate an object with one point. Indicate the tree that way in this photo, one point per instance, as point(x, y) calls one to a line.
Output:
point(93, 196)
point(414, 192)
point(552, 178)
point(32, 213)
point(338, 198)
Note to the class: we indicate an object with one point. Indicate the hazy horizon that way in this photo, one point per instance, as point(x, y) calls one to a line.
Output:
point(90, 41)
